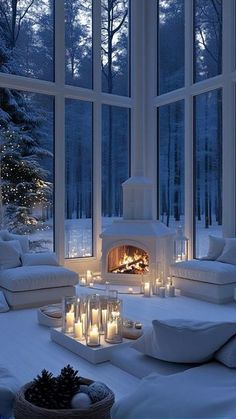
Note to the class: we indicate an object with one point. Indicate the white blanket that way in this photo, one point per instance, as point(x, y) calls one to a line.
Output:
point(208, 391)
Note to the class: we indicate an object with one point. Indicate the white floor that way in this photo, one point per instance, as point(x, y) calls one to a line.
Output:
point(26, 348)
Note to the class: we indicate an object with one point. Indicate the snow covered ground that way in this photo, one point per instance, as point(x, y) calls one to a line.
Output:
point(78, 237)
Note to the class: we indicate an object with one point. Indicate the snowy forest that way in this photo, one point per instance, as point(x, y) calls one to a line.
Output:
point(27, 119)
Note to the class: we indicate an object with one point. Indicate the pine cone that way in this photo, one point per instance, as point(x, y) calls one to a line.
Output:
point(68, 384)
point(42, 391)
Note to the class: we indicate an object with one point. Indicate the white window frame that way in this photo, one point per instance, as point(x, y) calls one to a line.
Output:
point(60, 91)
point(226, 82)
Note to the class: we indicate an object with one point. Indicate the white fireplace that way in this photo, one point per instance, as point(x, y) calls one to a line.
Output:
point(136, 245)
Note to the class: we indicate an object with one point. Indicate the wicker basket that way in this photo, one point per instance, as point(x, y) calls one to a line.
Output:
point(26, 410)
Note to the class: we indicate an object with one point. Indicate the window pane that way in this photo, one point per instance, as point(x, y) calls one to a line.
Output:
point(115, 46)
point(78, 223)
point(27, 38)
point(208, 169)
point(78, 42)
point(171, 45)
point(171, 170)
point(115, 160)
point(208, 38)
point(26, 162)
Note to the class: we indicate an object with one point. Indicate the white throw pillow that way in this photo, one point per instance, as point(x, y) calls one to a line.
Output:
point(10, 252)
point(227, 354)
point(185, 341)
point(4, 235)
point(229, 253)
point(216, 246)
point(24, 240)
point(3, 303)
point(34, 259)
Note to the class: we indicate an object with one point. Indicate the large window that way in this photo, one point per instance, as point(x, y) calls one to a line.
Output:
point(27, 38)
point(115, 46)
point(78, 40)
point(79, 163)
point(208, 169)
point(170, 45)
point(115, 160)
point(208, 38)
point(95, 161)
point(171, 165)
point(26, 166)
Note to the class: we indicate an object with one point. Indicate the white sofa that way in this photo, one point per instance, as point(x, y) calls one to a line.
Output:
point(29, 286)
point(208, 280)
point(31, 279)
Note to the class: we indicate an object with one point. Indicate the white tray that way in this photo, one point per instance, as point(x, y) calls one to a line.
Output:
point(95, 355)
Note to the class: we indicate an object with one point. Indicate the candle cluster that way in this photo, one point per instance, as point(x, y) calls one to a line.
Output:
point(157, 287)
point(89, 278)
point(90, 317)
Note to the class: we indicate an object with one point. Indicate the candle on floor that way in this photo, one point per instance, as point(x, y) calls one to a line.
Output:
point(83, 281)
point(147, 289)
point(78, 330)
point(130, 290)
point(172, 291)
point(91, 284)
point(89, 275)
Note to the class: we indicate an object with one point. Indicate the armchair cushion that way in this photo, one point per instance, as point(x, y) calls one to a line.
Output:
point(10, 252)
point(26, 278)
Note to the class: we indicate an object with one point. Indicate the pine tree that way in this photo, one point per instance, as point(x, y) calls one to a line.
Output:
point(24, 182)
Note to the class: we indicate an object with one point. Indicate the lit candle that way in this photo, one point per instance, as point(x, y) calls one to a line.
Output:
point(162, 292)
point(83, 281)
point(79, 330)
point(130, 290)
point(91, 284)
point(94, 336)
point(89, 275)
point(147, 289)
point(111, 330)
point(94, 316)
point(69, 321)
point(104, 316)
point(179, 258)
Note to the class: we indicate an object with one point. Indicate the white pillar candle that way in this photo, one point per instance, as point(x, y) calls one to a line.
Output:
point(79, 330)
point(147, 289)
point(94, 316)
point(130, 290)
point(69, 321)
point(94, 336)
point(111, 330)
point(89, 276)
point(91, 284)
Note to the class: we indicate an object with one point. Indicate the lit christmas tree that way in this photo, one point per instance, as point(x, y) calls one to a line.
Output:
point(24, 183)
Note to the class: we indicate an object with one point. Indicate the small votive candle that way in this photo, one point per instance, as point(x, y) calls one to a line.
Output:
point(147, 289)
point(162, 292)
point(130, 290)
point(83, 281)
point(91, 284)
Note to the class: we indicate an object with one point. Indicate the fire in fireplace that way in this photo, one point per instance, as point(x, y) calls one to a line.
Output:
point(128, 260)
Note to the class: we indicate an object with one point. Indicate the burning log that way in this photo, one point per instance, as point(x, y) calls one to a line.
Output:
point(127, 264)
